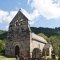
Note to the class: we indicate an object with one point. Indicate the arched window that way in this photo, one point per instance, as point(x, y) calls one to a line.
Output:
point(21, 21)
point(16, 23)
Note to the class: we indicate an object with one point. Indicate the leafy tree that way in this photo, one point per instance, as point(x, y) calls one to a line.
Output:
point(2, 46)
point(55, 43)
point(43, 35)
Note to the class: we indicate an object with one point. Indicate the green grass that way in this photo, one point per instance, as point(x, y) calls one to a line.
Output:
point(50, 57)
point(5, 58)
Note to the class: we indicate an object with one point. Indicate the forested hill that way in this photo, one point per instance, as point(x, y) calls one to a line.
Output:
point(47, 31)
point(3, 34)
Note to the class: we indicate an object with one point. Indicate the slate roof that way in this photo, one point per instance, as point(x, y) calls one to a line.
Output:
point(47, 45)
point(38, 38)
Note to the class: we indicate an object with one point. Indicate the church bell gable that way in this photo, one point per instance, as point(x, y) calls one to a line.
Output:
point(18, 35)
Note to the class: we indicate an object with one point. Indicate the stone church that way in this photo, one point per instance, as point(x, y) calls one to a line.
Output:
point(22, 42)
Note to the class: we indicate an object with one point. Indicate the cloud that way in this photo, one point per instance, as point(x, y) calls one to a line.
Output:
point(30, 16)
point(6, 17)
point(29, 1)
point(47, 8)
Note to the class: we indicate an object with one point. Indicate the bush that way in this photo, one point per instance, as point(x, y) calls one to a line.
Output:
point(2, 47)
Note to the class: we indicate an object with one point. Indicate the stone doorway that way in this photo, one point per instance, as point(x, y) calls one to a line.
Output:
point(17, 50)
point(36, 53)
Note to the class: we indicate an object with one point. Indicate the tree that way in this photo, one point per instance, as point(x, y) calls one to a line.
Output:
point(44, 36)
point(55, 43)
point(2, 45)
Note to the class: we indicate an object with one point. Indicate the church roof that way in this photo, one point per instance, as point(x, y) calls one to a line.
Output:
point(21, 12)
point(48, 46)
point(38, 38)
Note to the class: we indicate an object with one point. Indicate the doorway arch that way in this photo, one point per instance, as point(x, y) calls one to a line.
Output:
point(17, 50)
point(36, 53)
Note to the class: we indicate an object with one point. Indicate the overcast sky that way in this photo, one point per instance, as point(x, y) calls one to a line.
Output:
point(41, 13)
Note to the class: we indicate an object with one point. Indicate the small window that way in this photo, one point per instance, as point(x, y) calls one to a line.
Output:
point(10, 25)
point(16, 23)
point(22, 29)
point(21, 21)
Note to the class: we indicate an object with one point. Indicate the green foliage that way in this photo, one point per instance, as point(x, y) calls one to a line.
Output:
point(2, 46)
point(1, 31)
point(6, 58)
point(47, 31)
point(3, 36)
point(51, 35)
point(43, 35)
point(55, 41)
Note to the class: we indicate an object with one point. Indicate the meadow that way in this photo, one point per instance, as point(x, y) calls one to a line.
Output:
point(5, 58)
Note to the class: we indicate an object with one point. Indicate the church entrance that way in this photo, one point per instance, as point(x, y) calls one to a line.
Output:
point(17, 50)
point(36, 53)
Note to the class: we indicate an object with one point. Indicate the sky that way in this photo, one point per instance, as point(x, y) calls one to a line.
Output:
point(41, 13)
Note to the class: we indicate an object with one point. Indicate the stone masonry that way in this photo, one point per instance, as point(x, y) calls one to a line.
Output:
point(18, 39)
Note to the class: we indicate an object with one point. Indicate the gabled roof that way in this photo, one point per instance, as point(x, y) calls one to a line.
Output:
point(38, 38)
point(48, 46)
point(19, 13)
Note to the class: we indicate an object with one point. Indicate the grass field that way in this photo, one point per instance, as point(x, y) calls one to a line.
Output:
point(5, 58)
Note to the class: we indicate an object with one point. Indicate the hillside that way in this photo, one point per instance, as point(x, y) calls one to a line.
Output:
point(3, 34)
point(47, 31)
